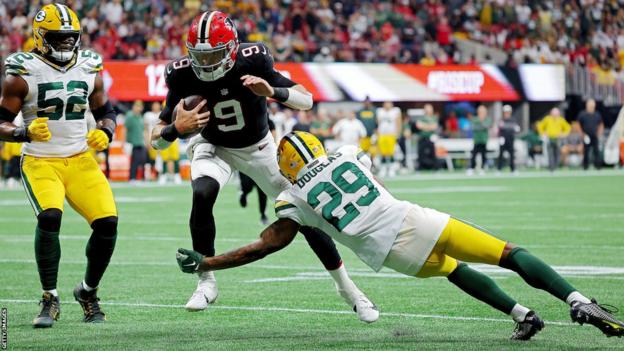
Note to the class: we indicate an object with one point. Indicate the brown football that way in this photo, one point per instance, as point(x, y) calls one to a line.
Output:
point(190, 102)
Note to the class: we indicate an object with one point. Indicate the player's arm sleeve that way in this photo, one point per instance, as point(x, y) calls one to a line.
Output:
point(103, 111)
point(173, 96)
point(266, 66)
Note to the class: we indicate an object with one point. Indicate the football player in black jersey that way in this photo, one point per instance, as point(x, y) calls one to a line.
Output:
point(235, 79)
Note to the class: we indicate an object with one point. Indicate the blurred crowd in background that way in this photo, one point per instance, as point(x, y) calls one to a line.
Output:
point(589, 33)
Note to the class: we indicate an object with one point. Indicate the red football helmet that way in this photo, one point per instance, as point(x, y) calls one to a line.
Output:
point(212, 43)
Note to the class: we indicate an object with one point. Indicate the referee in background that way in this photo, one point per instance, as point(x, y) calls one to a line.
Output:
point(591, 124)
point(507, 129)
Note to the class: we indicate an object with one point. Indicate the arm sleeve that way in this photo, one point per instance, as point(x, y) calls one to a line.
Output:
point(267, 70)
point(173, 96)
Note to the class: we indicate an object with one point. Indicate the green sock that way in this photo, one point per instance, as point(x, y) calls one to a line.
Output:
point(537, 273)
point(48, 255)
point(99, 251)
point(481, 287)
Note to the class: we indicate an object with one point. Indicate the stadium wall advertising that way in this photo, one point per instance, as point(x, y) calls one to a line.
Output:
point(143, 80)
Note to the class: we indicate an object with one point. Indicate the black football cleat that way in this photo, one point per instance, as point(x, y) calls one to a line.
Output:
point(50, 311)
point(90, 304)
point(600, 316)
point(526, 329)
point(242, 199)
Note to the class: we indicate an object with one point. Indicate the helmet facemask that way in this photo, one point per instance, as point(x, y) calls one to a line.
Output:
point(210, 64)
point(57, 45)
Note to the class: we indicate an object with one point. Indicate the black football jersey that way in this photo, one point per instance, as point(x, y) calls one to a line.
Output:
point(238, 117)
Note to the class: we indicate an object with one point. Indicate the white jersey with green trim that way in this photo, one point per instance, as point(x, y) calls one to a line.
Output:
point(387, 121)
point(341, 197)
point(59, 93)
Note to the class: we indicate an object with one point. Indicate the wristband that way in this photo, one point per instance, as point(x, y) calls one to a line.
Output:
point(170, 133)
point(108, 131)
point(20, 134)
point(280, 94)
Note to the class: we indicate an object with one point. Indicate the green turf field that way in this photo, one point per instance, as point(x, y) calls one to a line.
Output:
point(287, 302)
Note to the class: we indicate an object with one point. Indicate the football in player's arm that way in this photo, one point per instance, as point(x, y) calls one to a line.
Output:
point(410, 239)
point(235, 79)
point(273, 85)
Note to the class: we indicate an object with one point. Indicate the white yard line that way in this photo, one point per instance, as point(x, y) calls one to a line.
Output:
point(28, 238)
point(507, 176)
point(302, 310)
point(450, 189)
point(313, 273)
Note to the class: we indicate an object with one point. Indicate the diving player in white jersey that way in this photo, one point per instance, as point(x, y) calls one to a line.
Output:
point(55, 86)
point(339, 194)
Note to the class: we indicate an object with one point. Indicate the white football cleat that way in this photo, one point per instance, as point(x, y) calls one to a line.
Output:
point(365, 309)
point(205, 294)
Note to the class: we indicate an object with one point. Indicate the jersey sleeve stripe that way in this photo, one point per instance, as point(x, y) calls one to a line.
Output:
point(284, 207)
point(29, 191)
point(16, 69)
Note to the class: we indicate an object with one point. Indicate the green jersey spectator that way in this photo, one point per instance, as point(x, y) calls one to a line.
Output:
point(368, 117)
point(321, 126)
point(480, 130)
point(135, 137)
point(427, 126)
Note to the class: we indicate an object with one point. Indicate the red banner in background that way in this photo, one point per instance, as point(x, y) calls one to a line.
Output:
point(144, 80)
point(463, 82)
point(135, 80)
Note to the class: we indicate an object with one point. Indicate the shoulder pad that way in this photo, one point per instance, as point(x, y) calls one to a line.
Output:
point(257, 54)
point(348, 150)
point(90, 60)
point(19, 64)
point(176, 67)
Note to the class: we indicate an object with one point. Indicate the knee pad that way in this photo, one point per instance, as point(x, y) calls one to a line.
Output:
point(205, 189)
point(50, 220)
point(105, 227)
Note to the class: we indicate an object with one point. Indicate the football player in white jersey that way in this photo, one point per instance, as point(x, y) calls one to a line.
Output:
point(388, 131)
point(54, 86)
point(339, 195)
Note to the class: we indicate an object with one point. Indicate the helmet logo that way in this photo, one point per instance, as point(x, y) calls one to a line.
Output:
point(228, 23)
point(40, 16)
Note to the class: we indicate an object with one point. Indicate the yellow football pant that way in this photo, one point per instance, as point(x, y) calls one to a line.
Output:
point(461, 241)
point(386, 144)
point(366, 144)
point(48, 181)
